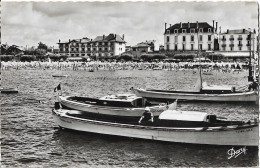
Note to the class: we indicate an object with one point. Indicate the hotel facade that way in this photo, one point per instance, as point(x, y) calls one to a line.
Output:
point(189, 37)
point(237, 40)
point(101, 46)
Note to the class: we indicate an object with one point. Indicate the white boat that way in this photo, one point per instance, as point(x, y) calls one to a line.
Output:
point(203, 95)
point(206, 130)
point(125, 105)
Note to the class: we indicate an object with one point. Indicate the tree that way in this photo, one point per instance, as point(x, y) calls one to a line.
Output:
point(42, 46)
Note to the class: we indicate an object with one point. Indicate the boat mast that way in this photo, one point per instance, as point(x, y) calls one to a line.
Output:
point(198, 55)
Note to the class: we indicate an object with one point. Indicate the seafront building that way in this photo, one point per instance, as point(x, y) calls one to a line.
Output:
point(189, 37)
point(101, 46)
point(237, 40)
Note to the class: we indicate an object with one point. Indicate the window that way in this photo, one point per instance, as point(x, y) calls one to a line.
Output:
point(224, 48)
point(209, 37)
point(88, 49)
point(240, 48)
point(134, 49)
point(175, 30)
point(176, 47)
point(100, 43)
point(167, 47)
point(168, 38)
point(183, 30)
point(209, 30)
point(200, 46)
point(201, 30)
point(192, 38)
point(192, 46)
point(209, 46)
point(176, 39)
point(231, 48)
point(99, 49)
point(72, 49)
point(201, 38)
point(82, 54)
point(183, 46)
point(183, 38)
point(105, 49)
point(77, 49)
point(192, 30)
point(168, 31)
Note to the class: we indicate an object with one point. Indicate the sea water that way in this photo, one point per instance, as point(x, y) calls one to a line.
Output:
point(30, 138)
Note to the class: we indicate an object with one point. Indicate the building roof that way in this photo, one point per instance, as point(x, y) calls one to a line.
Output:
point(188, 26)
point(238, 31)
point(110, 38)
point(139, 45)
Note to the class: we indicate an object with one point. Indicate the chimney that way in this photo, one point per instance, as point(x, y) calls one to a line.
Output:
point(170, 25)
point(188, 24)
point(197, 25)
point(69, 40)
point(213, 26)
point(79, 40)
point(181, 24)
point(165, 25)
point(244, 30)
point(216, 26)
point(123, 37)
point(227, 31)
point(59, 40)
point(103, 37)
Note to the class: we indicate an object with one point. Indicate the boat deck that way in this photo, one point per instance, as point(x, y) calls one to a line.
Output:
point(157, 122)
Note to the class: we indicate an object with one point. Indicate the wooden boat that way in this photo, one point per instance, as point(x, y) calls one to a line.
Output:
point(60, 76)
point(171, 126)
point(125, 105)
point(201, 92)
point(217, 94)
point(8, 90)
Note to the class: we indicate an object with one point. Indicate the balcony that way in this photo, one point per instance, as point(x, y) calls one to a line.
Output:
point(248, 38)
point(223, 39)
point(240, 38)
point(231, 45)
point(231, 38)
point(248, 45)
point(223, 45)
point(240, 45)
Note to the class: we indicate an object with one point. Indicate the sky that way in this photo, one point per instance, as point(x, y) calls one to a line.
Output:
point(28, 23)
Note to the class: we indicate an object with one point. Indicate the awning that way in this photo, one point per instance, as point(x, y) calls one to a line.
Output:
point(74, 58)
point(235, 54)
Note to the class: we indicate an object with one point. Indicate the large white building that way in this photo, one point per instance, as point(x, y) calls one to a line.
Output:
point(237, 40)
point(101, 46)
point(189, 37)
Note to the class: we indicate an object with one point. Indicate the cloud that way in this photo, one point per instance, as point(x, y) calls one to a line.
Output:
point(27, 23)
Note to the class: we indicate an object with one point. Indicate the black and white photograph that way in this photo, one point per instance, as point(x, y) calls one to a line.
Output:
point(129, 84)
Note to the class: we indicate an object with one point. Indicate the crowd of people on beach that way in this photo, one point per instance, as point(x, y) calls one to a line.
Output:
point(112, 66)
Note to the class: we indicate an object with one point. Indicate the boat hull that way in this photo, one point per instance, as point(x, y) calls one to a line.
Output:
point(231, 97)
point(107, 110)
point(8, 90)
point(244, 136)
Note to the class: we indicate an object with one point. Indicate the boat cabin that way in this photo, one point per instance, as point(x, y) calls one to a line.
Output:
point(215, 89)
point(123, 100)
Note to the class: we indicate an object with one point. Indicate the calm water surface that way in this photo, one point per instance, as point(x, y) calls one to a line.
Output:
point(30, 138)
